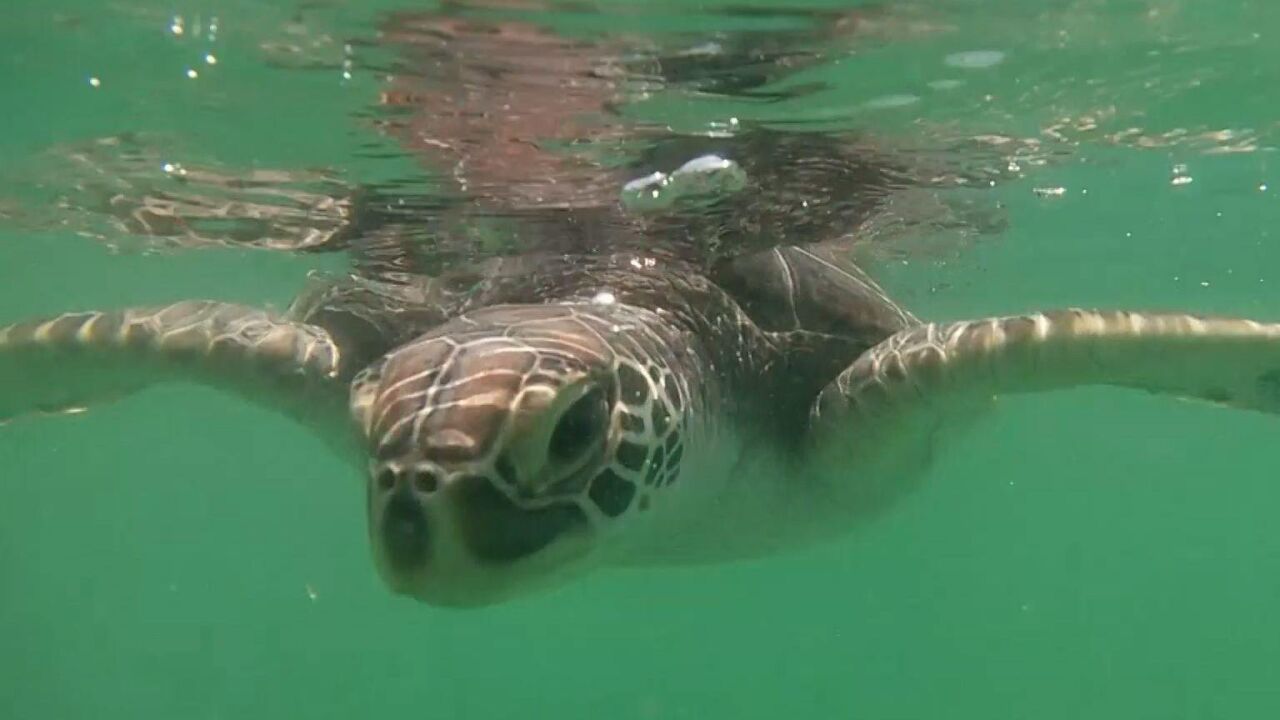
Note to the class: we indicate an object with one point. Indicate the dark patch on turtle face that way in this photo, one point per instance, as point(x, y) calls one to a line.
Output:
point(506, 471)
point(673, 460)
point(612, 494)
point(423, 480)
point(581, 427)
point(673, 474)
point(672, 391)
point(655, 375)
point(497, 531)
point(404, 533)
point(672, 440)
point(385, 479)
point(634, 388)
point(661, 419)
point(632, 456)
point(632, 423)
point(655, 467)
point(644, 503)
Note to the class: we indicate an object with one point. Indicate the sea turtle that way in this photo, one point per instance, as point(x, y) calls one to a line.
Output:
point(624, 409)
point(626, 393)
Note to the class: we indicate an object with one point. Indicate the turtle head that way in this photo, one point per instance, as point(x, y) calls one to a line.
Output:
point(500, 455)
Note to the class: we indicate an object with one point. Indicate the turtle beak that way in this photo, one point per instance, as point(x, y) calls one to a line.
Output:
point(404, 533)
point(400, 531)
point(468, 545)
point(497, 532)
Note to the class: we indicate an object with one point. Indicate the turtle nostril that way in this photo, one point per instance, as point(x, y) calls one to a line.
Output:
point(425, 481)
point(386, 479)
point(404, 533)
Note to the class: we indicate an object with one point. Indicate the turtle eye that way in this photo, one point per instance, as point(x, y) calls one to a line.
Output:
point(580, 427)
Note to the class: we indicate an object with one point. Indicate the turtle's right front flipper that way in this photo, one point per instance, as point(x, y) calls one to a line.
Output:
point(874, 427)
point(78, 359)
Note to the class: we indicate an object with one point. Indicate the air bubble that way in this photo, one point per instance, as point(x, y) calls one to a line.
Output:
point(975, 59)
point(886, 102)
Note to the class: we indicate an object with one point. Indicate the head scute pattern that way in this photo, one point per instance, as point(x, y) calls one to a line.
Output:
point(549, 409)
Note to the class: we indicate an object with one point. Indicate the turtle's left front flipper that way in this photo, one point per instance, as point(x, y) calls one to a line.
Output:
point(78, 359)
point(875, 425)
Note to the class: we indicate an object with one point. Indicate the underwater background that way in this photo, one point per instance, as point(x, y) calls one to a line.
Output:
point(1092, 553)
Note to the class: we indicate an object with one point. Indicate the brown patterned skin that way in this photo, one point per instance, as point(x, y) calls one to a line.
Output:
point(75, 360)
point(532, 442)
point(558, 414)
point(515, 444)
point(906, 399)
point(631, 414)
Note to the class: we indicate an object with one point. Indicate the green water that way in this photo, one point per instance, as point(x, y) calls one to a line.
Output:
point(1088, 554)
